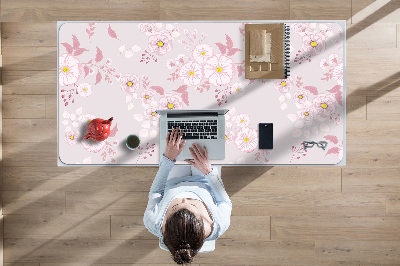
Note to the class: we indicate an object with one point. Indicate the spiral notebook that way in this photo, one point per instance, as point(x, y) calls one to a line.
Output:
point(267, 50)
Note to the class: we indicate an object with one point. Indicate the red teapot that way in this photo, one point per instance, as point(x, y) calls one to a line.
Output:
point(98, 129)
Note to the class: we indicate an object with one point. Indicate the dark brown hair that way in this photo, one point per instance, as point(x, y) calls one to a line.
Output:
point(184, 235)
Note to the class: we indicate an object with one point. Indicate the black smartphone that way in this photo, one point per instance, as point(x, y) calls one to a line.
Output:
point(266, 136)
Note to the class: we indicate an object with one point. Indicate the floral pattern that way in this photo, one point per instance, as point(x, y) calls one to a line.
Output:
point(128, 71)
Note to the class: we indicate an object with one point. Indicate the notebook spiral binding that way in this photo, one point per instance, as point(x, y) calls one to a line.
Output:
point(287, 50)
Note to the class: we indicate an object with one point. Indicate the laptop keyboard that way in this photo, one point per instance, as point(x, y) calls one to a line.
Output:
point(196, 129)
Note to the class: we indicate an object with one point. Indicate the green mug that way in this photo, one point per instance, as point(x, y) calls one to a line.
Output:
point(132, 142)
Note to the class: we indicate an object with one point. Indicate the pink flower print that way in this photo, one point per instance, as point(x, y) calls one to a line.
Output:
point(299, 28)
point(84, 89)
point(151, 113)
point(202, 52)
point(238, 89)
point(71, 137)
point(147, 96)
point(300, 96)
point(129, 83)
point(314, 43)
point(284, 85)
point(219, 70)
point(338, 74)
point(170, 101)
point(246, 139)
point(191, 73)
point(147, 28)
point(160, 43)
point(306, 113)
point(170, 63)
point(92, 145)
point(324, 104)
point(242, 120)
point(69, 70)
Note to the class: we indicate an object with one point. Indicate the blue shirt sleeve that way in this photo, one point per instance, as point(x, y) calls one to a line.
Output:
point(222, 199)
point(156, 194)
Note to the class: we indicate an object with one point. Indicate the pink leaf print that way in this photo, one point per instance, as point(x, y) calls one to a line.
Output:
point(299, 83)
point(86, 69)
point(312, 89)
point(158, 89)
point(239, 71)
point(75, 42)
point(181, 88)
point(98, 78)
point(335, 89)
point(68, 47)
point(114, 131)
point(334, 150)
point(112, 33)
point(331, 138)
point(99, 55)
point(232, 51)
point(184, 94)
point(79, 51)
point(222, 48)
point(338, 97)
point(229, 43)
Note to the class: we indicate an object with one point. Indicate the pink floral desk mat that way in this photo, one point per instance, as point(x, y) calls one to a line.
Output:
point(127, 70)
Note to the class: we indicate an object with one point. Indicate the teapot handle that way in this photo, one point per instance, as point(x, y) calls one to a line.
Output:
point(88, 136)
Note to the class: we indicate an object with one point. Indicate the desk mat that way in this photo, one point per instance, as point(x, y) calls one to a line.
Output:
point(127, 70)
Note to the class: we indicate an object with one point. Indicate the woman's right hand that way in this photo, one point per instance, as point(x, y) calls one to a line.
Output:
point(200, 159)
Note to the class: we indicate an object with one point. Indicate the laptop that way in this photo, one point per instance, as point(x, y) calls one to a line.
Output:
point(204, 127)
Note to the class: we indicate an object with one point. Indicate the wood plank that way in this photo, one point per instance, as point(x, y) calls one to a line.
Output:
point(335, 228)
point(356, 108)
point(369, 155)
point(123, 10)
point(33, 202)
point(82, 179)
point(383, 108)
point(113, 264)
point(107, 203)
point(228, 251)
point(373, 131)
point(53, 226)
point(129, 227)
point(369, 12)
point(358, 6)
point(364, 252)
point(224, 10)
point(397, 35)
point(24, 106)
point(309, 204)
point(374, 75)
point(30, 154)
point(51, 106)
point(332, 9)
point(249, 227)
point(21, 264)
point(284, 179)
point(380, 180)
point(30, 58)
point(393, 204)
point(384, 36)
point(29, 130)
point(29, 82)
point(27, 34)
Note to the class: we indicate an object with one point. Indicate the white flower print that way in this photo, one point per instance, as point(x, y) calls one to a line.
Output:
point(242, 120)
point(191, 73)
point(84, 89)
point(71, 137)
point(219, 69)
point(246, 139)
point(238, 89)
point(202, 52)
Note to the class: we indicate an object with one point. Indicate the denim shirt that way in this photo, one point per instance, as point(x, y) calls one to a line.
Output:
point(209, 188)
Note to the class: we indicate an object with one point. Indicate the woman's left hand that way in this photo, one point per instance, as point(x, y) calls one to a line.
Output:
point(174, 144)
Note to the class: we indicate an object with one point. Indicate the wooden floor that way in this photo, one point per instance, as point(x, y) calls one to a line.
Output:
point(281, 215)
